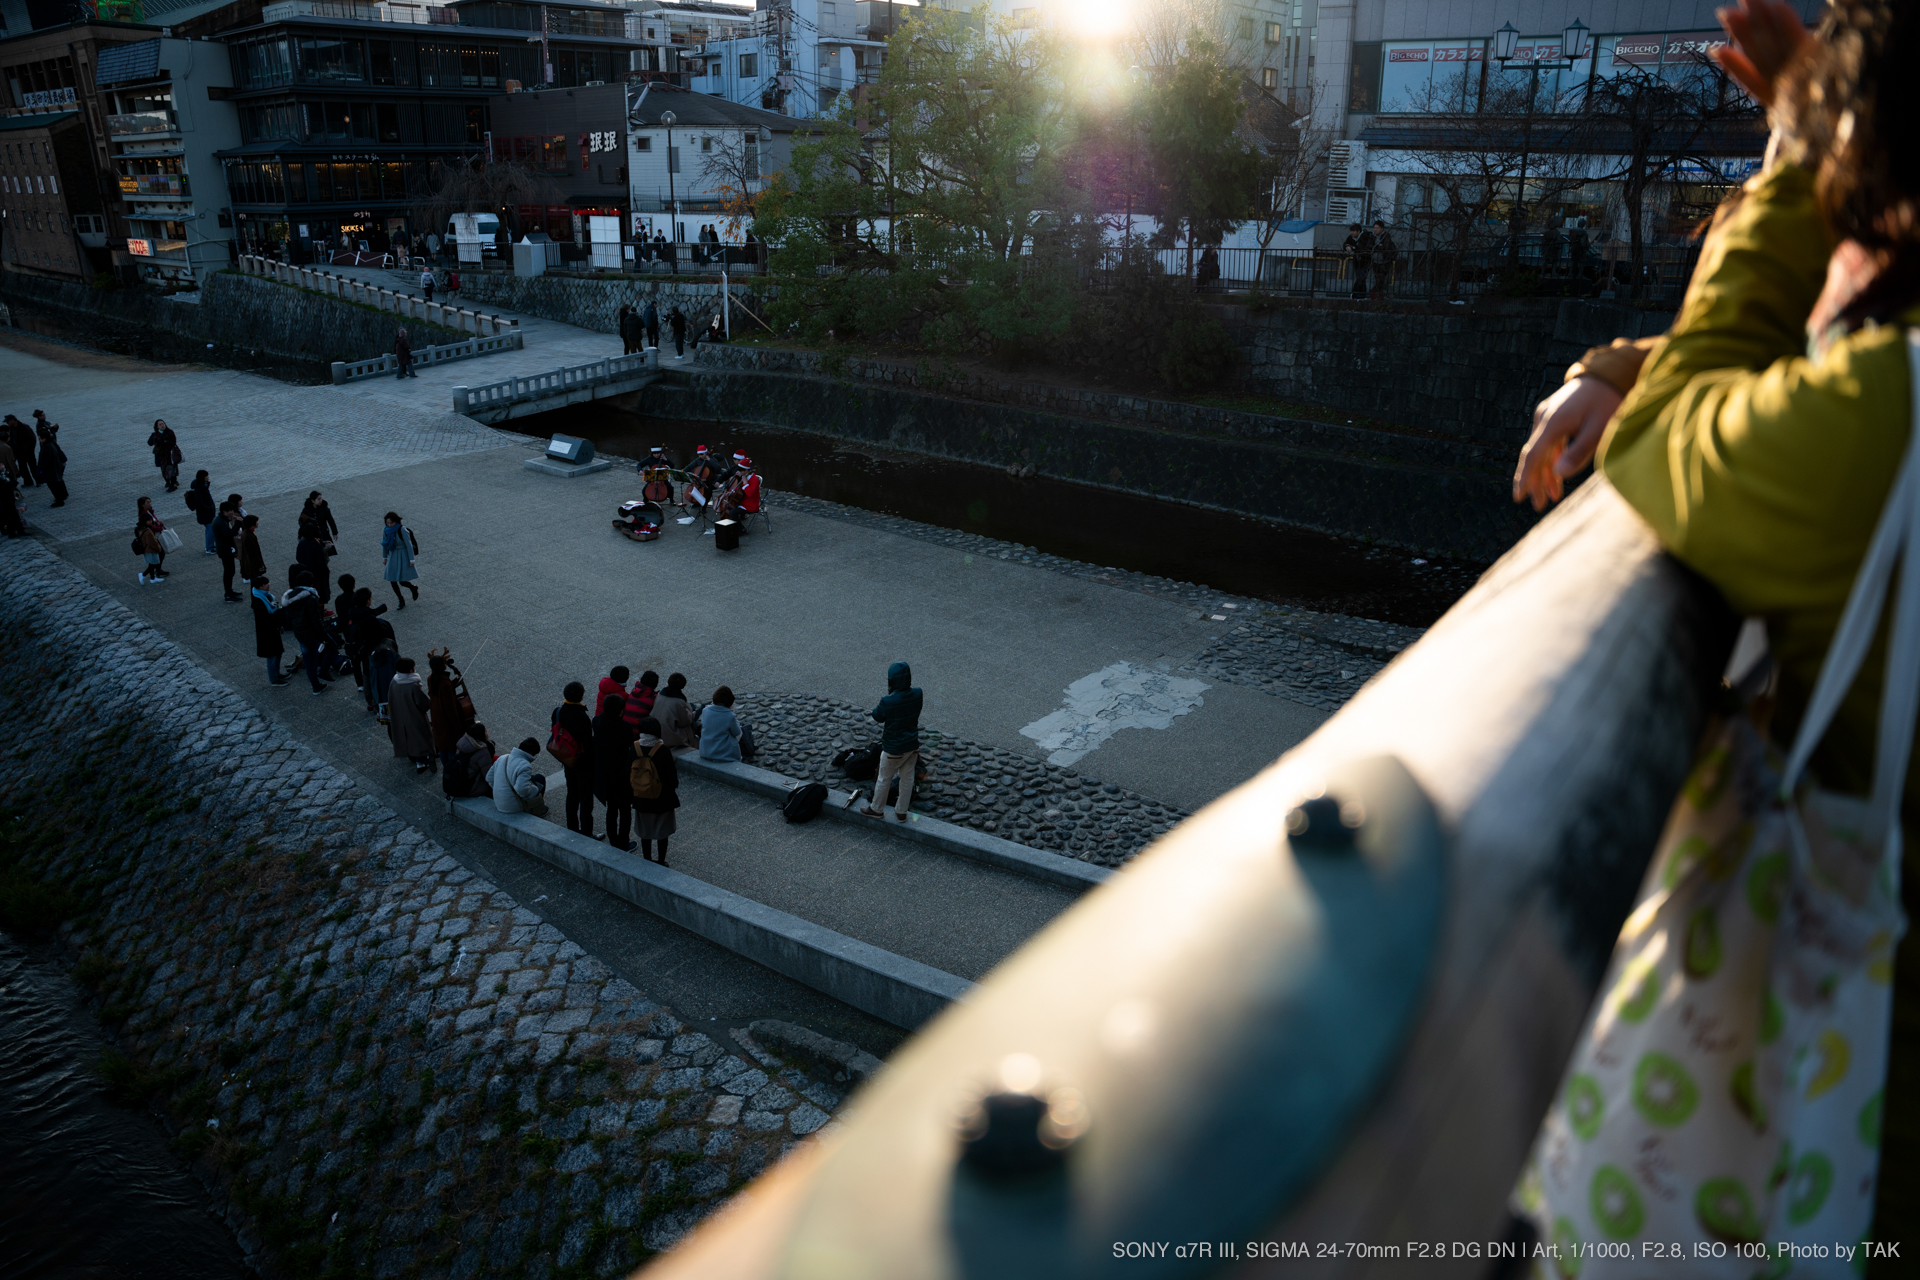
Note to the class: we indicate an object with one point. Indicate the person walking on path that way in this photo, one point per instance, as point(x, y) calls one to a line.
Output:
point(166, 453)
point(200, 502)
point(253, 562)
point(677, 319)
point(516, 787)
point(674, 715)
point(653, 819)
point(650, 319)
point(226, 545)
point(613, 741)
point(403, 351)
point(723, 736)
point(146, 541)
point(426, 282)
point(317, 513)
point(25, 444)
point(53, 459)
point(407, 711)
point(147, 518)
point(899, 717)
point(266, 630)
point(571, 718)
point(398, 546)
point(449, 721)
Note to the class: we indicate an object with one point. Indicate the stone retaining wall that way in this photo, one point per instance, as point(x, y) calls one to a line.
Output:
point(238, 311)
point(1294, 478)
point(380, 1063)
point(595, 304)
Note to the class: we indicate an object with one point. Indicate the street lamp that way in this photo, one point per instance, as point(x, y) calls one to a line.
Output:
point(673, 204)
point(1574, 43)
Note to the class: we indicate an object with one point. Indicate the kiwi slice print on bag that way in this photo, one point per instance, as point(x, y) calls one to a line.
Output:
point(1745, 1100)
point(1807, 1191)
point(1869, 1123)
point(1702, 955)
point(1615, 1204)
point(1767, 886)
point(1663, 1092)
point(1725, 1211)
point(1584, 1106)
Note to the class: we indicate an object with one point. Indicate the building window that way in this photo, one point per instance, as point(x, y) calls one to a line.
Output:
point(749, 66)
point(1269, 78)
point(1274, 33)
point(673, 159)
point(1244, 28)
point(643, 144)
point(750, 162)
point(706, 145)
point(1026, 19)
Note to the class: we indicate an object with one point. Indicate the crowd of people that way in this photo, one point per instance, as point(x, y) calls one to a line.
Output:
point(30, 457)
point(640, 329)
point(717, 484)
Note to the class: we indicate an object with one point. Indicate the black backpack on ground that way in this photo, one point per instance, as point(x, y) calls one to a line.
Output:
point(454, 780)
point(803, 804)
point(862, 764)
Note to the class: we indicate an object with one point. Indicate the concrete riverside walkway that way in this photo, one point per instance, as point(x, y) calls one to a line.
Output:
point(522, 577)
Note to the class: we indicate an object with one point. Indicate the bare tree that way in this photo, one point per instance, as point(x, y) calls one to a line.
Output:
point(1291, 143)
point(1653, 124)
point(1506, 152)
point(738, 173)
point(477, 185)
point(1162, 31)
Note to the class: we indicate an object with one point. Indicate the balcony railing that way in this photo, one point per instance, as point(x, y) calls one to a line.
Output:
point(138, 122)
point(155, 184)
point(400, 11)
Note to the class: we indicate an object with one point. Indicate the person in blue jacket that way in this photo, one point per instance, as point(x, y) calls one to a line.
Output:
point(899, 717)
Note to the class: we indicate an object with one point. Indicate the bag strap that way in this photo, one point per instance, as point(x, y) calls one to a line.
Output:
point(1897, 537)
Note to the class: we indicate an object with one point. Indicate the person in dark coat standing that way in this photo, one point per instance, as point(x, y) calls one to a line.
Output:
point(650, 320)
point(226, 545)
point(612, 758)
point(266, 631)
point(166, 453)
point(25, 446)
point(403, 347)
point(53, 459)
point(628, 326)
point(311, 555)
point(317, 513)
point(407, 709)
point(443, 705)
point(571, 715)
point(200, 502)
point(678, 320)
point(653, 819)
point(302, 606)
point(253, 562)
point(899, 717)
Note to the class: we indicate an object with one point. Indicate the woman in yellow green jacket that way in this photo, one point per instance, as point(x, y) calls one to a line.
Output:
point(1763, 432)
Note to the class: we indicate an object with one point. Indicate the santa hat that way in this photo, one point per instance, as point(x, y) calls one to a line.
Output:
point(742, 461)
point(739, 457)
point(701, 449)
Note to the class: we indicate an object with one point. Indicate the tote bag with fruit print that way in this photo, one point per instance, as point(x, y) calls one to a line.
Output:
point(1721, 1113)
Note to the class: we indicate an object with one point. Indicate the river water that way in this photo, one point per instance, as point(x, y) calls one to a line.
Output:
point(87, 1188)
point(1236, 554)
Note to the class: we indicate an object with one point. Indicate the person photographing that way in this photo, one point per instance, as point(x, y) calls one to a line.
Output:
point(899, 717)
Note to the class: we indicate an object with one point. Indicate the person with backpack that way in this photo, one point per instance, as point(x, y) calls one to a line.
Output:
point(200, 502)
point(398, 547)
point(375, 638)
point(516, 787)
point(570, 741)
point(303, 607)
point(899, 717)
point(612, 777)
point(671, 709)
point(655, 779)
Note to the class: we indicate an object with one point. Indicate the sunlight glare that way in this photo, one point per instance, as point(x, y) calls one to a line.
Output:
point(1093, 19)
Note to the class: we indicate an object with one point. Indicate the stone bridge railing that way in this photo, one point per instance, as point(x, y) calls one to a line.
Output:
point(514, 396)
point(345, 371)
point(479, 324)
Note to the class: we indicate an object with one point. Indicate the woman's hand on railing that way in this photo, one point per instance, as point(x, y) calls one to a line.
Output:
point(1567, 427)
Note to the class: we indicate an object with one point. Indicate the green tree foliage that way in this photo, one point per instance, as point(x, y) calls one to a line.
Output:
point(1203, 172)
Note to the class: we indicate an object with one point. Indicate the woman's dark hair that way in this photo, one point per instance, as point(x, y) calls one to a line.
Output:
point(199, 475)
point(159, 423)
point(259, 581)
point(251, 522)
point(649, 725)
point(574, 691)
point(347, 583)
point(477, 731)
point(404, 664)
point(614, 706)
point(618, 673)
point(363, 595)
point(393, 516)
point(723, 696)
point(649, 679)
point(1843, 100)
point(436, 663)
point(311, 496)
point(676, 683)
point(530, 745)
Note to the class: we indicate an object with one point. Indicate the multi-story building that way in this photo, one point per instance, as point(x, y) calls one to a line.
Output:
point(50, 204)
point(700, 162)
point(168, 121)
point(675, 34)
point(796, 57)
point(346, 108)
point(576, 141)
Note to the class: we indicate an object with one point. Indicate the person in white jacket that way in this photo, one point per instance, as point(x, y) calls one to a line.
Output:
point(516, 787)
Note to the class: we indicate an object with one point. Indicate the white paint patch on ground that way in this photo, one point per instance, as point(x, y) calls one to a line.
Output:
point(1122, 696)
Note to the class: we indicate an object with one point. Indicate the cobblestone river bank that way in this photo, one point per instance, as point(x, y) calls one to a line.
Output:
point(378, 1063)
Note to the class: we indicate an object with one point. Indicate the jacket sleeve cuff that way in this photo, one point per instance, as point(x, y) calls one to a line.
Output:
point(1617, 364)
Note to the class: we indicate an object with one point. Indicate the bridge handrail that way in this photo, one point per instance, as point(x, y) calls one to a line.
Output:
point(345, 371)
point(573, 377)
point(1189, 1012)
point(478, 323)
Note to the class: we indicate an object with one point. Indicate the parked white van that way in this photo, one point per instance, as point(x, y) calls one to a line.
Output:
point(483, 227)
